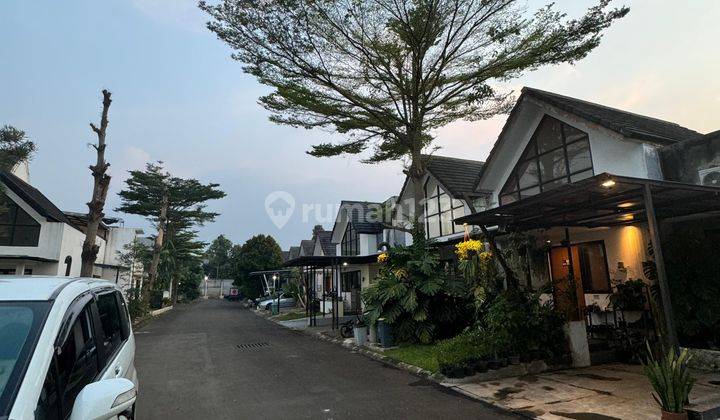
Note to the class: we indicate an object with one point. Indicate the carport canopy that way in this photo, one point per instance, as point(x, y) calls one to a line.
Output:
point(608, 200)
point(320, 261)
point(600, 201)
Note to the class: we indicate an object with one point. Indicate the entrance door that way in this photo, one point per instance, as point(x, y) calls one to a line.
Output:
point(570, 302)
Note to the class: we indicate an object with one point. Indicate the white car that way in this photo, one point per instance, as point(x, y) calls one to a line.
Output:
point(285, 302)
point(66, 350)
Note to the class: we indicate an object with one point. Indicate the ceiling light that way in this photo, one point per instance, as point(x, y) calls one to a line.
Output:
point(626, 204)
point(627, 217)
point(608, 183)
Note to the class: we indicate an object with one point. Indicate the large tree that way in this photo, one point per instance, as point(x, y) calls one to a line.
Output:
point(387, 73)
point(259, 253)
point(172, 204)
point(217, 258)
point(15, 147)
point(101, 183)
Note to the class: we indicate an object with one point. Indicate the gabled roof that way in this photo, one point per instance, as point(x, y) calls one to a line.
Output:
point(307, 247)
point(365, 217)
point(325, 239)
point(294, 252)
point(457, 175)
point(626, 123)
point(285, 255)
point(34, 198)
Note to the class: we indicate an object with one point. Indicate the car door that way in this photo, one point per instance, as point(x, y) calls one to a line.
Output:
point(116, 340)
point(75, 362)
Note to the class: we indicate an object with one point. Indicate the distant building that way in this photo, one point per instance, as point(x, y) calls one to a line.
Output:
point(37, 238)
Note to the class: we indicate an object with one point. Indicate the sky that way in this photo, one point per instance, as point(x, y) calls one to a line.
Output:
point(178, 97)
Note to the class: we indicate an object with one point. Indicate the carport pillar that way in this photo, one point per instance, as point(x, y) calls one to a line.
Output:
point(671, 339)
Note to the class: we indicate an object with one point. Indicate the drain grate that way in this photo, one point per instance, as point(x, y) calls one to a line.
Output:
point(252, 345)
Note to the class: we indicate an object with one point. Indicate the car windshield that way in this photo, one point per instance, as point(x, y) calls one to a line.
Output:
point(20, 325)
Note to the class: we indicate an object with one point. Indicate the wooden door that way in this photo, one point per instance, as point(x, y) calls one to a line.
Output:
point(571, 304)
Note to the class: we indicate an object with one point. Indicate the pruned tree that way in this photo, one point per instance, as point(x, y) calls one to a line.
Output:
point(101, 183)
point(15, 147)
point(172, 204)
point(387, 73)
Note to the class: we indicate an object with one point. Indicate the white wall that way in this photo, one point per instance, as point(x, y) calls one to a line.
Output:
point(611, 152)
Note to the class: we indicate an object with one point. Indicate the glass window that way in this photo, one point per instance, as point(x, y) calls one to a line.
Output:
point(77, 360)
point(593, 267)
point(445, 202)
point(528, 174)
point(17, 228)
point(446, 223)
point(433, 228)
point(552, 165)
point(110, 322)
point(578, 154)
point(20, 324)
point(48, 405)
point(349, 244)
point(546, 153)
point(431, 205)
point(548, 135)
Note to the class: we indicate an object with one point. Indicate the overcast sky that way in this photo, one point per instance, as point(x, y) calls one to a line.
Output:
point(178, 97)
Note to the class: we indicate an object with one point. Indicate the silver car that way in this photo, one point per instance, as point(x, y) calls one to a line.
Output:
point(285, 302)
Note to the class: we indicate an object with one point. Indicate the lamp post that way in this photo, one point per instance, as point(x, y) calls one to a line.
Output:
point(276, 284)
point(206, 287)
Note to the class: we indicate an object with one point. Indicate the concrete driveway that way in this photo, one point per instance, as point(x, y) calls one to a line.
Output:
point(214, 360)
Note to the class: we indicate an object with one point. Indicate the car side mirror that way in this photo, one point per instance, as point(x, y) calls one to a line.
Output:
point(104, 399)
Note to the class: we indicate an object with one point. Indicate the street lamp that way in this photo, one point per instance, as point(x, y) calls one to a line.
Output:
point(206, 287)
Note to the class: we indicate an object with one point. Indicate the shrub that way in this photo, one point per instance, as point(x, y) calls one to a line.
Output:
point(456, 356)
point(415, 295)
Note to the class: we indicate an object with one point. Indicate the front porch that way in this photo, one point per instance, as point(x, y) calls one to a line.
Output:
point(600, 233)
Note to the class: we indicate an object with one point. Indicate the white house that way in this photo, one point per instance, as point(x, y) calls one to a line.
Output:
point(591, 182)
point(37, 238)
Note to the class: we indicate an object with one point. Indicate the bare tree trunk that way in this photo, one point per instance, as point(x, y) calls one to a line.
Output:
point(157, 249)
point(416, 173)
point(100, 190)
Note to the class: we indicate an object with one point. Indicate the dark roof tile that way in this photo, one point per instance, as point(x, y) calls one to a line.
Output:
point(34, 198)
point(457, 175)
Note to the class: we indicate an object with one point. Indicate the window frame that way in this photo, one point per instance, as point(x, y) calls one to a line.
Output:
point(10, 206)
point(435, 197)
point(516, 193)
point(107, 355)
point(350, 243)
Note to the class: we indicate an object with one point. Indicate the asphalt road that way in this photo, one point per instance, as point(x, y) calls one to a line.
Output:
point(214, 360)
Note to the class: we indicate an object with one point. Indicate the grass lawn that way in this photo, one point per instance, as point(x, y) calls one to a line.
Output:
point(289, 316)
point(422, 355)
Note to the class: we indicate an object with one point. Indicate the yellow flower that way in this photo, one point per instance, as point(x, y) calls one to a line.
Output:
point(400, 273)
point(383, 257)
point(464, 248)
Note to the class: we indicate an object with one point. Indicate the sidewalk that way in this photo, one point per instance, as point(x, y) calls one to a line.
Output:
point(613, 391)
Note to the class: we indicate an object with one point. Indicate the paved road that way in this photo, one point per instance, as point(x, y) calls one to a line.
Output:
point(190, 367)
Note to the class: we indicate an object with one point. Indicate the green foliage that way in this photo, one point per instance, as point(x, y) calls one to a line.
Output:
point(137, 307)
point(629, 295)
point(14, 147)
point(387, 78)
point(218, 263)
point(670, 378)
point(416, 295)
point(692, 263)
point(259, 253)
point(516, 323)
point(421, 355)
point(144, 192)
point(462, 349)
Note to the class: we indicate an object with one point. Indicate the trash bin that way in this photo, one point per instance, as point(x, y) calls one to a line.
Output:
point(384, 332)
point(275, 308)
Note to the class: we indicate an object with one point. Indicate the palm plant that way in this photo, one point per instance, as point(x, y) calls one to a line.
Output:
point(670, 378)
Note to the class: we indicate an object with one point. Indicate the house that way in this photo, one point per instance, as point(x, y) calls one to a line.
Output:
point(449, 193)
point(37, 238)
point(592, 184)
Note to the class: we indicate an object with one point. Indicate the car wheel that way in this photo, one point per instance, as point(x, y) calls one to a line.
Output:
point(268, 306)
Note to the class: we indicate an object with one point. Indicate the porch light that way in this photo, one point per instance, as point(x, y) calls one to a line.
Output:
point(627, 217)
point(345, 264)
point(274, 277)
point(608, 183)
point(627, 204)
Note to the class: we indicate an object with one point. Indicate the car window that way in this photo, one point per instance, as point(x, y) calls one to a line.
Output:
point(48, 406)
point(110, 321)
point(124, 315)
point(20, 325)
point(77, 359)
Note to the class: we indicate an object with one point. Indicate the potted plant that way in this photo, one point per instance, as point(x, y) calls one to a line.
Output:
point(671, 380)
point(629, 297)
point(360, 331)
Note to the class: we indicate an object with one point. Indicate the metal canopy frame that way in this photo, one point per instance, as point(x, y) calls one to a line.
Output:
point(608, 200)
point(311, 265)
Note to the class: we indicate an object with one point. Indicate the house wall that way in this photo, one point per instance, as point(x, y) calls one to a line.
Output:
point(611, 152)
point(626, 244)
point(683, 162)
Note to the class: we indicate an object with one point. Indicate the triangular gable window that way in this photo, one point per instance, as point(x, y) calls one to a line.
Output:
point(557, 154)
point(17, 228)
